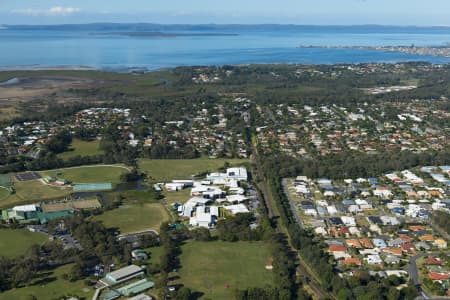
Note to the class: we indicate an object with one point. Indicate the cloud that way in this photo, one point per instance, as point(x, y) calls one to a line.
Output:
point(53, 11)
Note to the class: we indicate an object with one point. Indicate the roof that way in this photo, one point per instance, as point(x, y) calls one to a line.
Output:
point(237, 173)
point(366, 243)
point(353, 243)
point(30, 207)
point(427, 237)
point(438, 276)
point(440, 242)
point(124, 272)
point(416, 227)
point(136, 287)
point(236, 209)
point(85, 204)
point(141, 297)
point(394, 251)
point(337, 248)
point(54, 207)
point(435, 261)
point(236, 198)
point(351, 261)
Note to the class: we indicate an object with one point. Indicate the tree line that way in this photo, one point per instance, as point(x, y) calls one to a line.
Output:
point(360, 287)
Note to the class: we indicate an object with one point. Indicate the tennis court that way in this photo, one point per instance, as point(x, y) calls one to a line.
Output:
point(92, 187)
point(5, 181)
point(28, 176)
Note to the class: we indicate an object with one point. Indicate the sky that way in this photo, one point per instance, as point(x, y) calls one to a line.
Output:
point(308, 12)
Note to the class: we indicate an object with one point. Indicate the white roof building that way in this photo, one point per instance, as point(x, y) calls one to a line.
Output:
point(25, 208)
point(236, 198)
point(172, 186)
point(311, 212)
point(348, 221)
point(205, 216)
point(373, 259)
point(212, 192)
point(187, 208)
point(231, 174)
point(332, 210)
point(237, 173)
point(387, 220)
point(321, 231)
point(237, 209)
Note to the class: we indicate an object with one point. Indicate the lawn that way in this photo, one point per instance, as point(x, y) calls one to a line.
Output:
point(16, 242)
point(4, 193)
point(134, 218)
point(51, 286)
point(180, 196)
point(90, 174)
point(82, 148)
point(168, 169)
point(217, 268)
point(32, 191)
point(154, 254)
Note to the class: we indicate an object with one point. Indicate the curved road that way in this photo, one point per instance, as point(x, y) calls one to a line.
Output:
point(414, 273)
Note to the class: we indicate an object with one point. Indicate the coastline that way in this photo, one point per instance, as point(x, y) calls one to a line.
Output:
point(438, 51)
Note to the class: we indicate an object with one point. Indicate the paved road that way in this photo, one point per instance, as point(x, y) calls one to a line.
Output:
point(414, 273)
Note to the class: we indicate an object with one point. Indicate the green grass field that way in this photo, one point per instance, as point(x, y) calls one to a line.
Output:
point(134, 218)
point(180, 196)
point(90, 174)
point(16, 242)
point(168, 169)
point(32, 191)
point(35, 190)
point(4, 193)
point(208, 267)
point(154, 254)
point(82, 148)
point(50, 286)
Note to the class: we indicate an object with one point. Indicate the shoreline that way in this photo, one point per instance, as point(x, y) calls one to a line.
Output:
point(150, 70)
point(437, 51)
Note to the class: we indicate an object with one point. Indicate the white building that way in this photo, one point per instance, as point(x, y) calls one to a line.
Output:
point(373, 259)
point(239, 174)
point(205, 216)
point(237, 209)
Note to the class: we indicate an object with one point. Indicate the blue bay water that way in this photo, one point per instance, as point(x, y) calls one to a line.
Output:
point(101, 49)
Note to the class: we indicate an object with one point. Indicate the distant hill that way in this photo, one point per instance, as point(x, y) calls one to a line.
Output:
point(151, 27)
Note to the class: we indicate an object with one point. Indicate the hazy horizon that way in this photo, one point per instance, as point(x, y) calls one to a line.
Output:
point(230, 24)
point(428, 13)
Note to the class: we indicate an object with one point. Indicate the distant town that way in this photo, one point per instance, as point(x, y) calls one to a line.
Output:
point(443, 51)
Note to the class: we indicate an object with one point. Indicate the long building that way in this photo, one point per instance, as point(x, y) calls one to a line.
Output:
point(121, 275)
